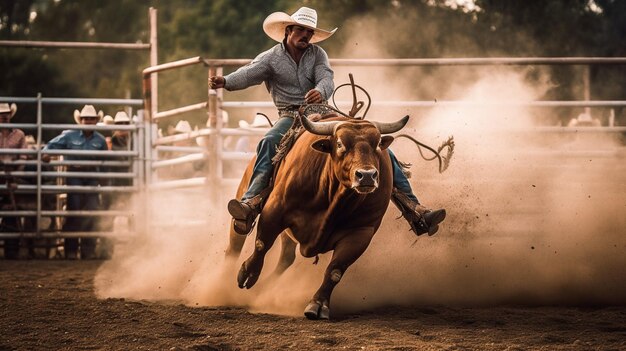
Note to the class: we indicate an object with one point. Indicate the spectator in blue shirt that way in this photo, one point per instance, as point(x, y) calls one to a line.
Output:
point(89, 201)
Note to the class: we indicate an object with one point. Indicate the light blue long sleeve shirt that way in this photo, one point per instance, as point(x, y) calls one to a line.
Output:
point(286, 81)
point(76, 140)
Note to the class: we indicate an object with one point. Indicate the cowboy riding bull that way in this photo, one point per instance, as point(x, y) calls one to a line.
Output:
point(330, 194)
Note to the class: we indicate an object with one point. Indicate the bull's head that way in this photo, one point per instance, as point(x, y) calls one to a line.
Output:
point(355, 147)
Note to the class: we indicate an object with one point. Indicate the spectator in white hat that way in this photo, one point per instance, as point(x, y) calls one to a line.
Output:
point(121, 138)
point(10, 138)
point(88, 140)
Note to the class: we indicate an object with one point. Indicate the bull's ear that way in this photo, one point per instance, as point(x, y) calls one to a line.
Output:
point(385, 141)
point(322, 145)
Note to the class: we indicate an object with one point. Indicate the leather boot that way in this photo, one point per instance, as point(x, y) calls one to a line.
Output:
point(421, 219)
point(244, 215)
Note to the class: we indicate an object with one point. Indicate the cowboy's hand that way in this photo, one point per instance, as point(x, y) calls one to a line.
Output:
point(216, 82)
point(313, 97)
point(45, 158)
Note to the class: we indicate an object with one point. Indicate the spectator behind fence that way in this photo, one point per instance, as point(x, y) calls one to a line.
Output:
point(183, 170)
point(119, 141)
point(248, 143)
point(106, 121)
point(88, 201)
point(10, 138)
point(584, 120)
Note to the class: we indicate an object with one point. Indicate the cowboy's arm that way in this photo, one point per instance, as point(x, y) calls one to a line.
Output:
point(254, 73)
point(323, 75)
point(57, 143)
point(21, 144)
point(244, 77)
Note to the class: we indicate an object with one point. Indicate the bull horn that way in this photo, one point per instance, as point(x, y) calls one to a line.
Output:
point(320, 128)
point(392, 127)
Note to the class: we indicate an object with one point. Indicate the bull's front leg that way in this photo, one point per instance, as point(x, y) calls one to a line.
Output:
point(267, 232)
point(347, 250)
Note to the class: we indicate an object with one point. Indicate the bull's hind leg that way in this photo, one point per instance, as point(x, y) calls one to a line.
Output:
point(347, 250)
point(287, 255)
point(235, 244)
point(267, 231)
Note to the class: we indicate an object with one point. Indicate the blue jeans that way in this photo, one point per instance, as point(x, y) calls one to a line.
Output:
point(81, 202)
point(400, 181)
point(266, 150)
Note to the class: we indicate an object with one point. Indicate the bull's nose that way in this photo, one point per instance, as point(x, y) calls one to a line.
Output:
point(367, 177)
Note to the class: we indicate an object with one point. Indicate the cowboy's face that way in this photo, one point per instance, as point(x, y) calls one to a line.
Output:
point(89, 120)
point(5, 117)
point(299, 37)
point(123, 132)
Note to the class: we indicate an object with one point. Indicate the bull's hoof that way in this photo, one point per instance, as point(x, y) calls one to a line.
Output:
point(317, 310)
point(245, 278)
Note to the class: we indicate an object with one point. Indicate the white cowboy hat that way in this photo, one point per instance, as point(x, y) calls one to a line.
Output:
point(107, 120)
point(182, 127)
point(275, 24)
point(10, 109)
point(87, 111)
point(121, 117)
point(259, 121)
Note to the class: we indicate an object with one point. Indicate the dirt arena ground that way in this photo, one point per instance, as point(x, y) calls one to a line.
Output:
point(51, 305)
point(530, 257)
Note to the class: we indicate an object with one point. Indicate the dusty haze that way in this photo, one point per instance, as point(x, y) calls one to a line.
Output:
point(533, 218)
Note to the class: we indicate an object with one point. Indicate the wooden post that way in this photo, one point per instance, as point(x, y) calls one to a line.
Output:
point(212, 140)
point(212, 101)
point(147, 97)
point(154, 60)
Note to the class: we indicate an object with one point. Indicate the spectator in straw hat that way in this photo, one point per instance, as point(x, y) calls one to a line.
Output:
point(121, 138)
point(88, 140)
point(296, 72)
point(120, 141)
point(246, 143)
point(106, 121)
point(10, 138)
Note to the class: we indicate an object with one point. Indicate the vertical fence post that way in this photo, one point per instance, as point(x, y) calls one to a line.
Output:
point(218, 137)
point(154, 60)
point(213, 123)
point(39, 136)
point(139, 183)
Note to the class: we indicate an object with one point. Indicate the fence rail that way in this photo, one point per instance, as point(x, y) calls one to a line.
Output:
point(131, 159)
point(153, 154)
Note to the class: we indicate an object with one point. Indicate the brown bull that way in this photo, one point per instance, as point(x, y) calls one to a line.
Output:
point(330, 194)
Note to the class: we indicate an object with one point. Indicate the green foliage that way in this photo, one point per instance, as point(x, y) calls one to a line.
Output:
point(232, 29)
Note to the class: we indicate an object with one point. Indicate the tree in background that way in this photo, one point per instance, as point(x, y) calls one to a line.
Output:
point(232, 29)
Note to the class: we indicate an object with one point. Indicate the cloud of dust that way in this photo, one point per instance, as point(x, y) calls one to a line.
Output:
point(528, 222)
point(183, 260)
point(532, 218)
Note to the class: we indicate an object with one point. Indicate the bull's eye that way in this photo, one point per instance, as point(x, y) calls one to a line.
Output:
point(339, 144)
